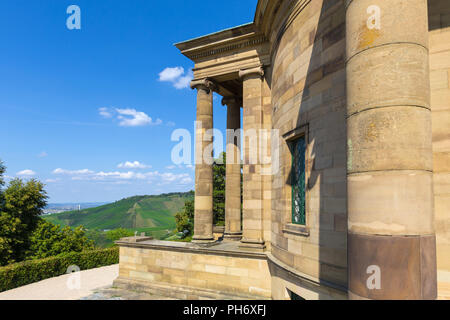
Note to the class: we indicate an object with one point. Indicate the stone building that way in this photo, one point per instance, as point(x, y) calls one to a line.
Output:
point(355, 200)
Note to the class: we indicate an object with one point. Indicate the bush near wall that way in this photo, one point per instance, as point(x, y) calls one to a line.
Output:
point(26, 272)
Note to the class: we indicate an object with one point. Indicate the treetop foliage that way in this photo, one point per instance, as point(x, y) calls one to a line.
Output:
point(20, 209)
point(2, 172)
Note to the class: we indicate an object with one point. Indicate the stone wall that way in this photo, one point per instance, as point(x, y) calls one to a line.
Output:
point(309, 95)
point(159, 265)
point(439, 22)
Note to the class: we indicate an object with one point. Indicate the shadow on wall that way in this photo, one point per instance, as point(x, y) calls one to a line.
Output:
point(438, 16)
point(323, 109)
point(333, 175)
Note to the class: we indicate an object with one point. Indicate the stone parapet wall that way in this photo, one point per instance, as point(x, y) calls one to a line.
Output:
point(162, 264)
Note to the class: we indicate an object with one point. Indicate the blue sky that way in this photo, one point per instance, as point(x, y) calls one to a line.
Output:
point(85, 111)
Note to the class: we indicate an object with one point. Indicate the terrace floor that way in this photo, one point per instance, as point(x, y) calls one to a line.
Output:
point(64, 287)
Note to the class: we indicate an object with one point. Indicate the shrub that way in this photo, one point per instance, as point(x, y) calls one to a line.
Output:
point(50, 240)
point(26, 272)
point(118, 234)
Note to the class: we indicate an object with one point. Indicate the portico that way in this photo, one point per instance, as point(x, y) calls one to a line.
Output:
point(234, 69)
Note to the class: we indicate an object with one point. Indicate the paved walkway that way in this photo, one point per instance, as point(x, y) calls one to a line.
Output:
point(95, 284)
point(66, 287)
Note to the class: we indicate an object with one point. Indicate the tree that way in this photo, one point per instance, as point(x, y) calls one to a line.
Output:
point(219, 174)
point(49, 240)
point(2, 172)
point(19, 215)
point(185, 218)
point(2, 183)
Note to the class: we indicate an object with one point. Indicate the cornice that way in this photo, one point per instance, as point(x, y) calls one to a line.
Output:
point(216, 37)
point(247, 35)
point(214, 48)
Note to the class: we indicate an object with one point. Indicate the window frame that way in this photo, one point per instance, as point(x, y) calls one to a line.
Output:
point(290, 227)
point(293, 146)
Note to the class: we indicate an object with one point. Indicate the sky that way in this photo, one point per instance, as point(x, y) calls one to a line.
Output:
point(90, 112)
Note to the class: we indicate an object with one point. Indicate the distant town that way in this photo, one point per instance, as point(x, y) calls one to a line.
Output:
point(53, 208)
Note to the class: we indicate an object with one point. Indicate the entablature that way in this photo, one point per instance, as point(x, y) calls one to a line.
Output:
point(223, 54)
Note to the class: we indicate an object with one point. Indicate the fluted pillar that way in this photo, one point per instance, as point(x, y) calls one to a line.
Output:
point(203, 209)
point(391, 238)
point(233, 229)
point(253, 229)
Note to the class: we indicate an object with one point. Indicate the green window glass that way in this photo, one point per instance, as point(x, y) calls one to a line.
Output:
point(298, 181)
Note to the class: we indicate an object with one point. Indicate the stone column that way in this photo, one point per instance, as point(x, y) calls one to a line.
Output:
point(252, 231)
point(203, 211)
point(391, 238)
point(233, 229)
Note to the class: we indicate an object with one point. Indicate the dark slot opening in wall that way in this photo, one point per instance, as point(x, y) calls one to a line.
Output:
point(294, 296)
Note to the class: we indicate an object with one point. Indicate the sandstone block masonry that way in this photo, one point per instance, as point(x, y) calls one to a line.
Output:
point(366, 85)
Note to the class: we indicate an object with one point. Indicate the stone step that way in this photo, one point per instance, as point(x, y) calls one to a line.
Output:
point(178, 291)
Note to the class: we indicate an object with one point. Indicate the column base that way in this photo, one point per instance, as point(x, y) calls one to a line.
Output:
point(203, 239)
point(403, 266)
point(248, 244)
point(232, 236)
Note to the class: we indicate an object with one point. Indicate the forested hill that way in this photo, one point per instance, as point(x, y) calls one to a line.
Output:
point(131, 213)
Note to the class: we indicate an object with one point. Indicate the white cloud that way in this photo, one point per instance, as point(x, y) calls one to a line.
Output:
point(128, 117)
point(134, 118)
point(43, 154)
point(116, 176)
point(177, 77)
point(133, 165)
point(52, 180)
point(26, 172)
point(184, 82)
point(182, 178)
point(105, 112)
point(180, 166)
point(171, 74)
point(121, 182)
point(72, 172)
point(186, 180)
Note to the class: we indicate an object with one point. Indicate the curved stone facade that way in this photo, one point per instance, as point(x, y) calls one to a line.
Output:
point(439, 54)
point(308, 94)
point(365, 86)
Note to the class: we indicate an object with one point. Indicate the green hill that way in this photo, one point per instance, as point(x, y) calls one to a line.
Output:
point(141, 213)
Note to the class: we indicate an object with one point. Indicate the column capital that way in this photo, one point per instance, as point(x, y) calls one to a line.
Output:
point(253, 71)
point(205, 84)
point(231, 100)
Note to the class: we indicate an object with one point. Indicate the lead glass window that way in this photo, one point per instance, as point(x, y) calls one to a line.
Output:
point(298, 181)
